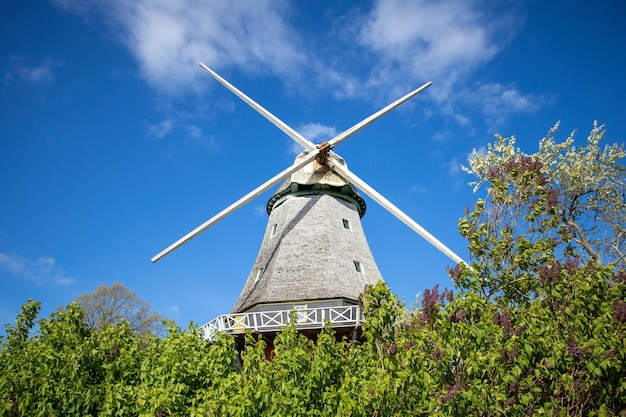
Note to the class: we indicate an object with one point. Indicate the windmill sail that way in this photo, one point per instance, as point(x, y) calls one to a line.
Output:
point(314, 256)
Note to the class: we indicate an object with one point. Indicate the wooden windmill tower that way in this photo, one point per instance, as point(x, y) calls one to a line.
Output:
point(314, 257)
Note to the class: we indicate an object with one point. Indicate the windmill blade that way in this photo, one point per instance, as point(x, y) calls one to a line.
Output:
point(380, 113)
point(237, 204)
point(256, 106)
point(289, 131)
point(376, 196)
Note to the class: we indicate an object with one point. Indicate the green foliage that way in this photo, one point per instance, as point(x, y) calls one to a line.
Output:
point(534, 327)
point(69, 368)
point(561, 354)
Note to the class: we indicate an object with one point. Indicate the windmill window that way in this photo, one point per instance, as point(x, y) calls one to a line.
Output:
point(259, 274)
point(346, 224)
point(358, 267)
point(274, 229)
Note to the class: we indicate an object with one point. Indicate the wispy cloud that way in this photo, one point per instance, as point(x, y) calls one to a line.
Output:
point(260, 211)
point(172, 310)
point(38, 74)
point(18, 69)
point(191, 133)
point(425, 39)
point(315, 132)
point(409, 41)
point(442, 136)
point(159, 130)
point(447, 42)
point(198, 138)
point(12, 264)
point(453, 166)
point(169, 38)
point(498, 102)
point(42, 271)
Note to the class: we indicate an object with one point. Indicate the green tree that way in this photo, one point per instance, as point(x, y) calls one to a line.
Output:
point(109, 305)
point(546, 286)
point(583, 186)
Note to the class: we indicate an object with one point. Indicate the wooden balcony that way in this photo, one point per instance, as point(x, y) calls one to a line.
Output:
point(307, 319)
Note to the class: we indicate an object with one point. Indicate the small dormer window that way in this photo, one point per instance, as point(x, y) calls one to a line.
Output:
point(346, 224)
point(358, 267)
point(274, 229)
point(259, 274)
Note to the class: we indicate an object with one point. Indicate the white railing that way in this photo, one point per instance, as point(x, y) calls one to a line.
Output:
point(269, 321)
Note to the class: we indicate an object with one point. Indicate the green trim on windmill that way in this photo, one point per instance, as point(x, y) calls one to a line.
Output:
point(344, 192)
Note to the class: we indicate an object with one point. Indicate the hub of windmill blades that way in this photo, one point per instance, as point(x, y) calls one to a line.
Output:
point(322, 155)
point(324, 149)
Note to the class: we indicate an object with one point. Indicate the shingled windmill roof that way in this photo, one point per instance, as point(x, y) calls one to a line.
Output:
point(314, 247)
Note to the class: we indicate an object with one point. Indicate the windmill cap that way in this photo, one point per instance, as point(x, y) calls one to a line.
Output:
point(315, 178)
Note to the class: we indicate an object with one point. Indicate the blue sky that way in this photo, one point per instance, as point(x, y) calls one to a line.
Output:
point(114, 143)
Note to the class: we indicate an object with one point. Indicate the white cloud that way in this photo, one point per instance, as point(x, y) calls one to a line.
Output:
point(160, 129)
point(198, 138)
point(412, 40)
point(193, 134)
point(12, 264)
point(316, 132)
point(442, 136)
point(497, 102)
point(440, 40)
point(260, 211)
point(408, 42)
point(43, 73)
point(42, 270)
point(295, 148)
point(169, 37)
point(497, 98)
point(38, 74)
point(453, 167)
point(447, 42)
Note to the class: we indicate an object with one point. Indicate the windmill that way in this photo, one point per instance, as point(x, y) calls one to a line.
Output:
point(314, 257)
